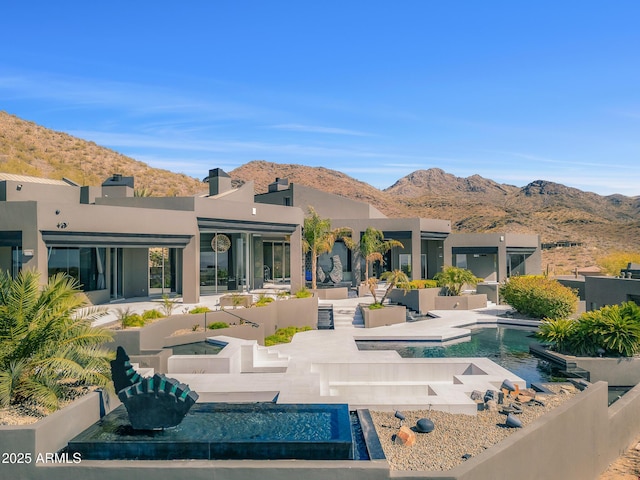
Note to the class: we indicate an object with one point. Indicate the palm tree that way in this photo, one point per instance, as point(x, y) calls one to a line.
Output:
point(373, 246)
point(393, 278)
point(319, 238)
point(47, 342)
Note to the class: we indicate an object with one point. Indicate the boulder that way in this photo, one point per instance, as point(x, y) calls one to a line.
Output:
point(513, 422)
point(424, 425)
point(405, 436)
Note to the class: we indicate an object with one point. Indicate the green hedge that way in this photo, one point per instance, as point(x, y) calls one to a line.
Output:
point(539, 297)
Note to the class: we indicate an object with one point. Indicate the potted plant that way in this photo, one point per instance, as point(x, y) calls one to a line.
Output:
point(377, 314)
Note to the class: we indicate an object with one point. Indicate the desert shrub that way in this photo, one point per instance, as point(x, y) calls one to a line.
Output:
point(263, 300)
point(152, 314)
point(217, 325)
point(199, 309)
point(129, 319)
point(304, 292)
point(423, 284)
point(168, 304)
point(454, 278)
point(283, 335)
point(539, 296)
point(616, 261)
point(418, 284)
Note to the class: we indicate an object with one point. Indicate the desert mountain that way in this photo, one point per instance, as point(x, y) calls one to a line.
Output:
point(473, 204)
point(29, 149)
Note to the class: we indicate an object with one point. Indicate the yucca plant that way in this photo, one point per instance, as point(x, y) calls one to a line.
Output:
point(47, 341)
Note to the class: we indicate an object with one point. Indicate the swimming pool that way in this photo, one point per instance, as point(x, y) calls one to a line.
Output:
point(506, 346)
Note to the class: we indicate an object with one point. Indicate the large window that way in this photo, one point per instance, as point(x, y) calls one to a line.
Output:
point(85, 264)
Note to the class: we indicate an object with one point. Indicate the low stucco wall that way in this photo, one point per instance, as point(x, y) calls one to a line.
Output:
point(491, 290)
point(624, 423)
point(334, 293)
point(298, 312)
point(618, 372)
point(577, 440)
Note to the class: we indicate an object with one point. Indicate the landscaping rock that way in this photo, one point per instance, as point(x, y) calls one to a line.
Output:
point(424, 425)
point(405, 436)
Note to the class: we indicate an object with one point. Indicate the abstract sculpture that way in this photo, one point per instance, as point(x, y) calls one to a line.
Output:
point(152, 403)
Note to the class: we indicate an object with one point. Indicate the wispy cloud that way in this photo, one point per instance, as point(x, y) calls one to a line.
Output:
point(295, 127)
point(133, 99)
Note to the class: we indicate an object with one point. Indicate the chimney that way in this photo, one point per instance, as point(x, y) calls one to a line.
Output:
point(219, 181)
point(118, 186)
point(279, 185)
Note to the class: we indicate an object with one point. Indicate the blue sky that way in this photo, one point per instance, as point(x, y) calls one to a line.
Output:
point(512, 91)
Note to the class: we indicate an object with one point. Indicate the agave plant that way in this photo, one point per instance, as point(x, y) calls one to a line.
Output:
point(47, 341)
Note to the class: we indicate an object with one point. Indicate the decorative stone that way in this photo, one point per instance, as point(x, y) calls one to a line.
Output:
point(524, 398)
point(489, 395)
point(567, 389)
point(513, 422)
point(476, 395)
point(336, 271)
point(508, 385)
point(405, 436)
point(424, 425)
point(320, 275)
point(491, 405)
point(152, 403)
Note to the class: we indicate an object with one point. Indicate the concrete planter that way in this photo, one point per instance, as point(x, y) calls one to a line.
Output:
point(242, 301)
point(461, 302)
point(334, 293)
point(388, 315)
point(363, 290)
point(424, 300)
point(421, 300)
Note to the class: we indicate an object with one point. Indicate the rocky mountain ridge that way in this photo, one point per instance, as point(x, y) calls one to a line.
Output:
point(473, 204)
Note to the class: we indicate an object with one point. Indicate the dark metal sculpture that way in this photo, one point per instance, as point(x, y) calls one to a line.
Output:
point(152, 403)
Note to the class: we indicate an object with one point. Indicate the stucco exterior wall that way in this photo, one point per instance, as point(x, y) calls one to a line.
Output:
point(601, 291)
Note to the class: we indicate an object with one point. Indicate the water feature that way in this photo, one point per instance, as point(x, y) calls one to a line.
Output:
point(198, 348)
point(227, 431)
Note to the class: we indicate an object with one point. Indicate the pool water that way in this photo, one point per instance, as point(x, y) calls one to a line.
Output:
point(506, 346)
point(258, 431)
point(197, 348)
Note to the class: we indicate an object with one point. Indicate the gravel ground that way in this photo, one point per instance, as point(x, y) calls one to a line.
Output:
point(25, 414)
point(454, 435)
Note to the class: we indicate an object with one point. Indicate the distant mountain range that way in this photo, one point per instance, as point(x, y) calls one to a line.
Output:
point(473, 204)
